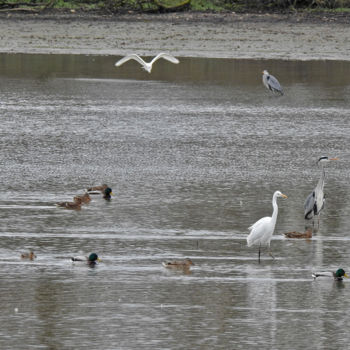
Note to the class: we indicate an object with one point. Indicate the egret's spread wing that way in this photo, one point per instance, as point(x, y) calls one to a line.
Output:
point(274, 84)
point(133, 56)
point(309, 206)
point(167, 57)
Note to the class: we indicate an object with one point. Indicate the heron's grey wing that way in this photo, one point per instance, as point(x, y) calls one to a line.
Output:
point(274, 84)
point(309, 206)
point(167, 57)
point(130, 57)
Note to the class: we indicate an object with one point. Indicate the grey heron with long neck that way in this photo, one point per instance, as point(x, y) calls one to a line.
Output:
point(314, 202)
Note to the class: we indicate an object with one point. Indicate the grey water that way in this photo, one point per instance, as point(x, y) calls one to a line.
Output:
point(193, 153)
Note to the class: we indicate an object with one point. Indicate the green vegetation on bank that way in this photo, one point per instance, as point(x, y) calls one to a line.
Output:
point(116, 6)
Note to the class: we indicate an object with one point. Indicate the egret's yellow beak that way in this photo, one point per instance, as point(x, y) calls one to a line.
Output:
point(336, 158)
point(284, 196)
point(345, 275)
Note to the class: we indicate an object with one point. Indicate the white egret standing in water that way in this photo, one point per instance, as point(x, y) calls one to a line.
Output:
point(145, 65)
point(314, 202)
point(271, 83)
point(261, 232)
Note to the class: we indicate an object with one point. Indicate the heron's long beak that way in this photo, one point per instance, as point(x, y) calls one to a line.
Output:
point(345, 275)
point(336, 158)
point(284, 196)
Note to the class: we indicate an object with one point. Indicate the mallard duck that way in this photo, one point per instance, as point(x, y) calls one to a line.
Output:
point(92, 259)
point(30, 256)
point(96, 189)
point(294, 234)
point(182, 264)
point(107, 193)
point(85, 198)
point(337, 276)
point(71, 205)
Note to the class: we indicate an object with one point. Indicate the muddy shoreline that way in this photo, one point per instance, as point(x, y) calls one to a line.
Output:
point(187, 34)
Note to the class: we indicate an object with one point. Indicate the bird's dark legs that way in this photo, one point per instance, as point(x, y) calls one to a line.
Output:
point(259, 252)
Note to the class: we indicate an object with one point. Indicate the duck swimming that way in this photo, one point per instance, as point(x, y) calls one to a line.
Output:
point(96, 189)
point(182, 264)
point(294, 234)
point(85, 198)
point(107, 193)
point(76, 205)
point(91, 260)
point(30, 256)
point(337, 276)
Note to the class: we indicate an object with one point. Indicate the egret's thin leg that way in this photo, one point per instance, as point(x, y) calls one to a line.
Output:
point(259, 252)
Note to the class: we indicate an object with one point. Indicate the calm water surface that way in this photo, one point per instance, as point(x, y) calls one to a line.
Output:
point(193, 153)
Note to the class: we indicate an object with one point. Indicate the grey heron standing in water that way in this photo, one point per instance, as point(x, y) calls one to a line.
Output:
point(314, 202)
point(271, 83)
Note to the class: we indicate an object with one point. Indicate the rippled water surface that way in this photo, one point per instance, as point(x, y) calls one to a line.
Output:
point(193, 153)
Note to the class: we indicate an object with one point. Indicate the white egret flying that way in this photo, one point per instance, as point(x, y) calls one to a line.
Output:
point(261, 232)
point(271, 83)
point(147, 66)
point(314, 202)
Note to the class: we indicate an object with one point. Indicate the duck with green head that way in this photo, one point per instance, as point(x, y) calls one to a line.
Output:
point(337, 275)
point(107, 193)
point(91, 260)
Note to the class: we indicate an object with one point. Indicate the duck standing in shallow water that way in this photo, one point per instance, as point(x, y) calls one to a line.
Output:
point(337, 276)
point(76, 205)
point(91, 260)
point(178, 264)
point(294, 234)
point(30, 256)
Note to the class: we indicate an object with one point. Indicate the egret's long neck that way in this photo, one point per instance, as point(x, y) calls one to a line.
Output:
point(275, 208)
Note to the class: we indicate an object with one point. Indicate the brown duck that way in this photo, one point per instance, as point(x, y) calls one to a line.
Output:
point(85, 198)
point(76, 205)
point(100, 188)
point(179, 264)
point(294, 234)
point(30, 256)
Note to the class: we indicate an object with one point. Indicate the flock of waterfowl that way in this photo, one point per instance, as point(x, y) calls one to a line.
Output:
point(261, 231)
point(78, 200)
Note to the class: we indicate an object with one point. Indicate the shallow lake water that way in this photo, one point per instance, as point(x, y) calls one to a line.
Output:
point(193, 153)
